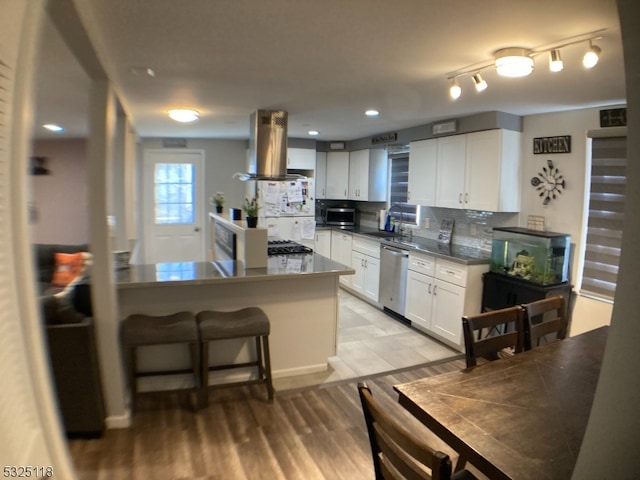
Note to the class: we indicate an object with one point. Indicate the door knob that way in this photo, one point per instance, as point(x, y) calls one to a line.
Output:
point(196, 229)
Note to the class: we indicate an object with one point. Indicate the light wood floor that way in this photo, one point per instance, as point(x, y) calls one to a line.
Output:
point(318, 433)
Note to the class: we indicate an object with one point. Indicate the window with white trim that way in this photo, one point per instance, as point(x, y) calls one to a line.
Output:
point(605, 217)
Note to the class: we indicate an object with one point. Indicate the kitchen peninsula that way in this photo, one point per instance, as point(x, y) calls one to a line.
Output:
point(299, 293)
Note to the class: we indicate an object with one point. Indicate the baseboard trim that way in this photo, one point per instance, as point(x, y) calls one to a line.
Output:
point(118, 421)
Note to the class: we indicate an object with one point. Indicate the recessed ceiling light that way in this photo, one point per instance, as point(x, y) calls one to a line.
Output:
point(142, 71)
point(54, 128)
point(314, 133)
point(184, 115)
point(372, 113)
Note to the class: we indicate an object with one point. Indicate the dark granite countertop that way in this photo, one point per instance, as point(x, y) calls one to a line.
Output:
point(199, 273)
point(457, 253)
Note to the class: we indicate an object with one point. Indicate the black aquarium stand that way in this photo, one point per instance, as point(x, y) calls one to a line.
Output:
point(501, 291)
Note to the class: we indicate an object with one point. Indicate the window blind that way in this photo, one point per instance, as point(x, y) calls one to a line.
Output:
point(398, 186)
point(606, 216)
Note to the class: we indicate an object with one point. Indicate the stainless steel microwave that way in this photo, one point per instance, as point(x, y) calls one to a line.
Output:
point(340, 217)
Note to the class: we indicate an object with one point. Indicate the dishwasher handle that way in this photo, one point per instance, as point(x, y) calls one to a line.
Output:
point(394, 251)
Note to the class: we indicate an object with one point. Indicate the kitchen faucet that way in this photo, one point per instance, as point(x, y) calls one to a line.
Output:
point(400, 205)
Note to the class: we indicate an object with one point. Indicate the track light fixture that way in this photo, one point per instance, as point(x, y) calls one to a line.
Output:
point(592, 56)
point(555, 61)
point(479, 82)
point(519, 61)
point(454, 90)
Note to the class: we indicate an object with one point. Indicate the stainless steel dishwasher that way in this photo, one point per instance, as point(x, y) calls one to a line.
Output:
point(393, 278)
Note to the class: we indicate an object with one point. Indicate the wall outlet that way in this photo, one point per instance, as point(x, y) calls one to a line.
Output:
point(426, 223)
point(473, 229)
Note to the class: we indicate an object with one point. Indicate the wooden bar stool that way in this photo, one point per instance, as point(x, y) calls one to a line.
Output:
point(145, 330)
point(247, 322)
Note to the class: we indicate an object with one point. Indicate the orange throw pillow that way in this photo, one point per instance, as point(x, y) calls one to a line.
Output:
point(68, 267)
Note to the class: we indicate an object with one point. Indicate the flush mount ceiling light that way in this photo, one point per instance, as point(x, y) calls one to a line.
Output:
point(184, 115)
point(314, 133)
point(516, 62)
point(513, 62)
point(372, 113)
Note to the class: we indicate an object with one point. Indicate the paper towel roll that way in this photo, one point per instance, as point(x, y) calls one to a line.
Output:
point(382, 219)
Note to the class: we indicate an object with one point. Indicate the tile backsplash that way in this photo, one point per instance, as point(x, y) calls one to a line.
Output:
point(472, 228)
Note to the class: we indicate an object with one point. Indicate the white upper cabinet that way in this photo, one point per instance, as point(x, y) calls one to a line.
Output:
point(301, 159)
point(321, 175)
point(368, 173)
point(423, 156)
point(337, 175)
point(478, 171)
point(450, 171)
point(492, 174)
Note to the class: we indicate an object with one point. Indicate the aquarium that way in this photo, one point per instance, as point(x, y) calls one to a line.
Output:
point(539, 257)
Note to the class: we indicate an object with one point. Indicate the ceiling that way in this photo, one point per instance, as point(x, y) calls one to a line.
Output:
point(323, 61)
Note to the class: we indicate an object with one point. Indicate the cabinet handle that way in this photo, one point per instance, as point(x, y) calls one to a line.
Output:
point(366, 263)
point(466, 198)
point(434, 289)
point(460, 199)
point(429, 289)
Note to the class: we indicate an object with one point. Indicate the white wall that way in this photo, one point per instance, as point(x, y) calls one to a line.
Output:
point(223, 158)
point(567, 213)
point(60, 198)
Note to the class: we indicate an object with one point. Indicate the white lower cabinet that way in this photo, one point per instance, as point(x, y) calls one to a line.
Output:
point(341, 248)
point(420, 281)
point(419, 299)
point(439, 293)
point(322, 244)
point(366, 280)
point(447, 312)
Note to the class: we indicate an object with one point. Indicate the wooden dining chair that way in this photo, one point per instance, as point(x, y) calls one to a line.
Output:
point(542, 319)
point(397, 453)
point(504, 330)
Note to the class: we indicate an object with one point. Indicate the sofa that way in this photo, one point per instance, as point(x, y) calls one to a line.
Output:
point(78, 292)
point(67, 315)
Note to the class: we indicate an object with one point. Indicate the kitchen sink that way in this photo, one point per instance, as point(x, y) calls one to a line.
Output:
point(384, 234)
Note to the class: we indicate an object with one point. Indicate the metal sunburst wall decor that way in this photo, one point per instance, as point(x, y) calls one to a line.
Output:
point(549, 183)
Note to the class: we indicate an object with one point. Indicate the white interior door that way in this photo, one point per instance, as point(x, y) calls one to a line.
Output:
point(173, 206)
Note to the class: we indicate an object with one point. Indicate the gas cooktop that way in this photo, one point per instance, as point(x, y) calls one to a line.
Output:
point(286, 247)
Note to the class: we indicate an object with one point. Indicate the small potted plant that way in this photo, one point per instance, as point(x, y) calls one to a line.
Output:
point(251, 211)
point(218, 201)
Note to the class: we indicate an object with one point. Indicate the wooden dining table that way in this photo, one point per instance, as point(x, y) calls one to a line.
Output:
point(521, 417)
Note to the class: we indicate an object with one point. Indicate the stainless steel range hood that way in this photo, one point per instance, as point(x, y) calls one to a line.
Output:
point(268, 147)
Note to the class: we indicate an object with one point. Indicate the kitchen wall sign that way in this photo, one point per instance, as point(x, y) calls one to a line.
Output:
point(385, 138)
point(558, 144)
point(549, 183)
